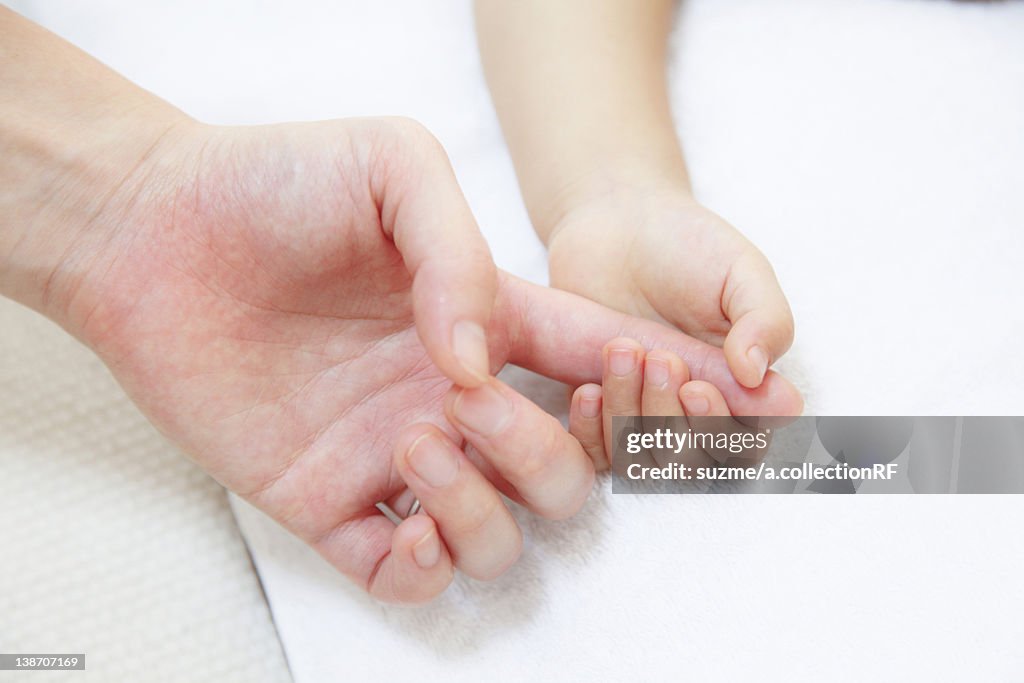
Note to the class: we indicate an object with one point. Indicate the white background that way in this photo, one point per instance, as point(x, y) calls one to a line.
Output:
point(874, 149)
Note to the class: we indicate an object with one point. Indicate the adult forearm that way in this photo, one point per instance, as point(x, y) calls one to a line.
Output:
point(73, 137)
point(580, 89)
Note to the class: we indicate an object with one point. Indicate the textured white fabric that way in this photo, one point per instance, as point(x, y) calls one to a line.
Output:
point(873, 149)
point(112, 544)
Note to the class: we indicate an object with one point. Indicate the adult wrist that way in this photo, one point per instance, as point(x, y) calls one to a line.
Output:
point(66, 187)
point(76, 142)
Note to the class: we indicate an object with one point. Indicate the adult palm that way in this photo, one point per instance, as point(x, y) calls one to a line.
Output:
point(280, 301)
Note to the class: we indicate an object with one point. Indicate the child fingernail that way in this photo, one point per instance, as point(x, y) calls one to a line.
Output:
point(590, 404)
point(621, 362)
point(432, 461)
point(696, 404)
point(427, 551)
point(470, 346)
point(759, 358)
point(656, 371)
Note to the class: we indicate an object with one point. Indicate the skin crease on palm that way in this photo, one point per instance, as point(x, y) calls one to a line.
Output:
point(259, 314)
point(278, 301)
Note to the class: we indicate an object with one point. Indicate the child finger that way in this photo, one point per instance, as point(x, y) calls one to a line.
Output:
point(622, 384)
point(585, 424)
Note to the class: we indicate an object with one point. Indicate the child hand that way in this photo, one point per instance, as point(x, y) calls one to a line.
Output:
point(643, 383)
point(663, 256)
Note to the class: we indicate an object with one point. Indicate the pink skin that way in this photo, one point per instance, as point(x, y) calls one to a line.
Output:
point(657, 385)
point(656, 253)
point(279, 301)
point(310, 312)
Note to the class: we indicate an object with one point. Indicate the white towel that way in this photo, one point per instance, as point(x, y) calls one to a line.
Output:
point(873, 149)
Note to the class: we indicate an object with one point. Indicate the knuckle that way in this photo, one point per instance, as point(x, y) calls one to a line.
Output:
point(384, 587)
point(398, 142)
point(589, 436)
point(574, 505)
point(599, 458)
point(473, 517)
point(624, 403)
point(559, 502)
point(566, 506)
point(416, 136)
point(416, 593)
point(536, 461)
point(499, 563)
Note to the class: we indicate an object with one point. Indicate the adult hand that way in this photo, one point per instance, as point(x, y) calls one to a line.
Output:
point(291, 305)
point(273, 299)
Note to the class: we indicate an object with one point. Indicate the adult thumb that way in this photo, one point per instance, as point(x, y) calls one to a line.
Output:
point(426, 215)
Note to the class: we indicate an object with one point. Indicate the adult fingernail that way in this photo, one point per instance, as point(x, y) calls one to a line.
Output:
point(427, 551)
point(485, 410)
point(590, 404)
point(759, 358)
point(470, 345)
point(432, 461)
point(621, 361)
point(656, 371)
point(696, 404)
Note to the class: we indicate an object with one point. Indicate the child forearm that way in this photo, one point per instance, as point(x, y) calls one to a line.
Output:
point(580, 89)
